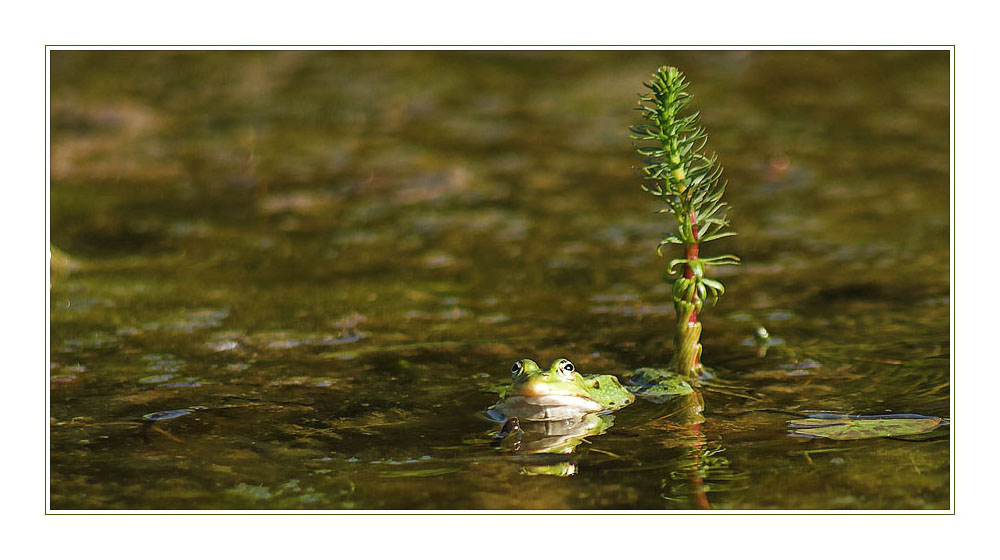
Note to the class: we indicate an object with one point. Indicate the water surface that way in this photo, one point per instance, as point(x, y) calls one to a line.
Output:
point(294, 277)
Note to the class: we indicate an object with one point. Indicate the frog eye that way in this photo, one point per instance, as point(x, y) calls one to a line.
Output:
point(517, 368)
point(566, 367)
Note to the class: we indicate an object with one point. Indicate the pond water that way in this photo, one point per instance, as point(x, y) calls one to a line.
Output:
point(292, 279)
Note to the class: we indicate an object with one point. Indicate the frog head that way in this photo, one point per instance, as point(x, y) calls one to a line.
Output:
point(559, 392)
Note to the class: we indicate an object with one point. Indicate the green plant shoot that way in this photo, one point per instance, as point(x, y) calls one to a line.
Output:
point(676, 169)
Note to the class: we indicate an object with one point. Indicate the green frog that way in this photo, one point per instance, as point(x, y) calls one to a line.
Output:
point(559, 393)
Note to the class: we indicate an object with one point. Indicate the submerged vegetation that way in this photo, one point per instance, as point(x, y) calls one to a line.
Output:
point(676, 169)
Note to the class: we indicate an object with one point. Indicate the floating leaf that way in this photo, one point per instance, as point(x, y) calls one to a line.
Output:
point(165, 415)
point(170, 414)
point(847, 427)
point(657, 385)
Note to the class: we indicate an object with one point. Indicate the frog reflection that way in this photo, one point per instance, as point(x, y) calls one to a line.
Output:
point(546, 448)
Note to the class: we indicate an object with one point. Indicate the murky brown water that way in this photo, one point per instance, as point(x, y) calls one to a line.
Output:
point(323, 261)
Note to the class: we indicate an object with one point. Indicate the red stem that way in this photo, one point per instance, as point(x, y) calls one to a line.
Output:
point(691, 253)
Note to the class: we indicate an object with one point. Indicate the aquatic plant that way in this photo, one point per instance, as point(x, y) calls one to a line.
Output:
point(676, 168)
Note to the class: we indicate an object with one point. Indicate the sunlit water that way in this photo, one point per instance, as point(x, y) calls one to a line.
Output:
point(294, 278)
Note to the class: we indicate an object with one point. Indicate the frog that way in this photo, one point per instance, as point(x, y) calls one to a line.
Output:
point(558, 393)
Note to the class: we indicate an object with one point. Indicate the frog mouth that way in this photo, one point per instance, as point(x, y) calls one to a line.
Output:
point(549, 407)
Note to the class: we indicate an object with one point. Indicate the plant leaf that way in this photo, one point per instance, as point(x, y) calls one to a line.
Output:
point(847, 427)
point(715, 236)
point(675, 262)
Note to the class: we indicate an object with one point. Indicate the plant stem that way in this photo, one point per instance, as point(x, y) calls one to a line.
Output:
point(676, 169)
point(691, 254)
point(687, 337)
